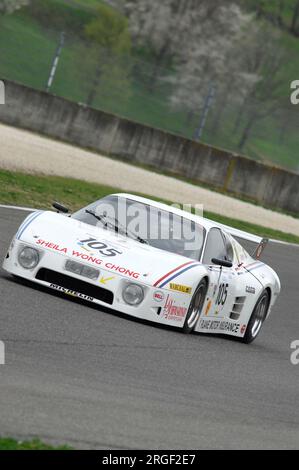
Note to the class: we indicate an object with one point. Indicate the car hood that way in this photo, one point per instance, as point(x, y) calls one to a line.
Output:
point(101, 248)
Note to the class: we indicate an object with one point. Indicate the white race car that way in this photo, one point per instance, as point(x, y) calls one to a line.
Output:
point(185, 271)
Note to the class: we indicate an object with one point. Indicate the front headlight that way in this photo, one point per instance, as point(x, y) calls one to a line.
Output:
point(28, 258)
point(133, 294)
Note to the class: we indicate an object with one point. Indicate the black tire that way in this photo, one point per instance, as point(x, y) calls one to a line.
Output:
point(195, 306)
point(257, 318)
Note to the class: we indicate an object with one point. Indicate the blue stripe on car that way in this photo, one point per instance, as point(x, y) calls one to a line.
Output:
point(27, 223)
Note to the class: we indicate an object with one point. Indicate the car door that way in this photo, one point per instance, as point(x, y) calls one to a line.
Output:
point(222, 279)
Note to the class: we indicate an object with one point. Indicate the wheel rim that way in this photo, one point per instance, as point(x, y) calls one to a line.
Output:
point(260, 312)
point(195, 308)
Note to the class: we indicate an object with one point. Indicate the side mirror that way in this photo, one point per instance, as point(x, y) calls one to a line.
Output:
point(60, 208)
point(222, 262)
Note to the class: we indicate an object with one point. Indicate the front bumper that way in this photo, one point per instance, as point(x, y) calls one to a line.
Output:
point(159, 305)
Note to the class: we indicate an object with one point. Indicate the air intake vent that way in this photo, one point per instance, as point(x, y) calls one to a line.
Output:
point(237, 308)
point(74, 284)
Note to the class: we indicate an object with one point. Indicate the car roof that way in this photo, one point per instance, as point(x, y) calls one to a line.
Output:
point(206, 223)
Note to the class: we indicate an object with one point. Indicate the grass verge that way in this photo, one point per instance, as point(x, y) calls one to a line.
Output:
point(8, 443)
point(40, 191)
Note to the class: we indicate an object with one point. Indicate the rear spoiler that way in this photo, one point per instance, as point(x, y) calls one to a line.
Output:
point(261, 242)
point(260, 248)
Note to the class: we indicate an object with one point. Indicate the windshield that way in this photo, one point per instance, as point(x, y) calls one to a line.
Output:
point(145, 224)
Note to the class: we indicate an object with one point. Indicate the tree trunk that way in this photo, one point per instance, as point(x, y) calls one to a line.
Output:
point(155, 75)
point(220, 111)
point(260, 9)
point(295, 19)
point(281, 7)
point(218, 118)
point(94, 87)
point(246, 132)
point(189, 117)
point(240, 114)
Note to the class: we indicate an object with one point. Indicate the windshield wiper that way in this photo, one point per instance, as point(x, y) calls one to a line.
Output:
point(101, 218)
point(122, 229)
point(119, 228)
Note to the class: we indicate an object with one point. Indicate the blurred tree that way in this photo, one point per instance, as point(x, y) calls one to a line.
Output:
point(106, 76)
point(110, 38)
point(161, 27)
point(212, 55)
point(277, 12)
point(265, 58)
point(9, 6)
point(174, 30)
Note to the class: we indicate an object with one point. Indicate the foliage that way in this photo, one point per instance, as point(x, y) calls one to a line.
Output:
point(109, 30)
point(9, 6)
point(34, 444)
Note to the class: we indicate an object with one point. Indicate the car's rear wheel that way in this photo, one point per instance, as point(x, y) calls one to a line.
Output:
point(195, 306)
point(257, 318)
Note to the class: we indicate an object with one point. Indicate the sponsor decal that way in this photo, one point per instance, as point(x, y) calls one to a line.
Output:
point(158, 296)
point(243, 329)
point(104, 280)
point(219, 325)
point(72, 293)
point(250, 290)
point(51, 246)
point(171, 311)
point(208, 307)
point(181, 288)
point(99, 247)
point(167, 278)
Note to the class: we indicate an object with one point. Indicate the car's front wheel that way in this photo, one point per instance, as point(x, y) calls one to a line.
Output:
point(195, 306)
point(257, 318)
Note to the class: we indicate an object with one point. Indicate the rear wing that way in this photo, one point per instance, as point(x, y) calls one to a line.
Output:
point(260, 248)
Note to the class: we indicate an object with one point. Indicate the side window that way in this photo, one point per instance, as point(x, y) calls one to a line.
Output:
point(229, 248)
point(215, 247)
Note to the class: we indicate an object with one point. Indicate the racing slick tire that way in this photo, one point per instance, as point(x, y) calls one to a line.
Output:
point(195, 306)
point(257, 318)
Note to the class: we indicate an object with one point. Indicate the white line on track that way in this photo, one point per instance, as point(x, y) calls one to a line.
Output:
point(25, 209)
point(30, 209)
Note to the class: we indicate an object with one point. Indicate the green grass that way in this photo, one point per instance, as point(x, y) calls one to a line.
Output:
point(40, 191)
point(35, 444)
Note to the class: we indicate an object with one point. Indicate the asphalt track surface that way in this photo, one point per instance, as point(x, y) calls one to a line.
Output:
point(94, 379)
